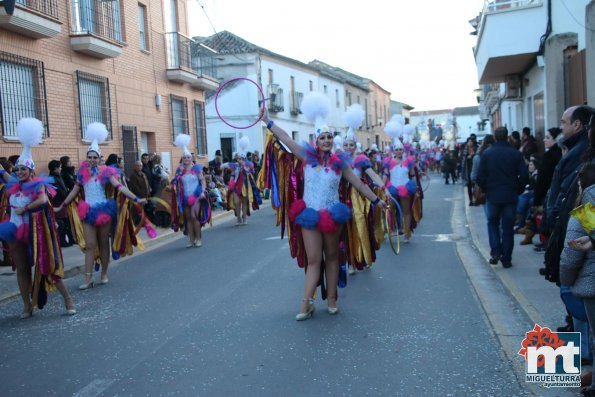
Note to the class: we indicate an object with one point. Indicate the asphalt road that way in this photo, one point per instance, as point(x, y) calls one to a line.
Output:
point(219, 321)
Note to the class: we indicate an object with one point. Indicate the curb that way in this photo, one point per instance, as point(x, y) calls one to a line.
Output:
point(530, 310)
point(149, 244)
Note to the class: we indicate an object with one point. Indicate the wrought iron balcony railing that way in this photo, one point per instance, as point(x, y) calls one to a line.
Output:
point(100, 18)
point(46, 7)
point(178, 51)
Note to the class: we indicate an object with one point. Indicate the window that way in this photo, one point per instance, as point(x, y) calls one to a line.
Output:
point(22, 92)
point(201, 130)
point(337, 101)
point(101, 18)
point(325, 89)
point(310, 85)
point(179, 115)
point(142, 27)
point(94, 101)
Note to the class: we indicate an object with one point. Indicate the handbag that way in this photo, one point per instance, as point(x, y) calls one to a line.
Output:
point(478, 195)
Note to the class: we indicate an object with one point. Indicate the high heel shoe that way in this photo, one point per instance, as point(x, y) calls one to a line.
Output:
point(104, 280)
point(333, 310)
point(309, 313)
point(26, 314)
point(88, 285)
point(70, 310)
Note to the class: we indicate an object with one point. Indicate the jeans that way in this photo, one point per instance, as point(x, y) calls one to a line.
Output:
point(523, 206)
point(501, 229)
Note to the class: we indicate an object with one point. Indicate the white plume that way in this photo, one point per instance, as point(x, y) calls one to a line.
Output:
point(315, 105)
point(243, 143)
point(353, 116)
point(393, 129)
point(408, 129)
point(182, 140)
point(30, 131)
point(338, 142)
point(398, 118)
point(96, 131)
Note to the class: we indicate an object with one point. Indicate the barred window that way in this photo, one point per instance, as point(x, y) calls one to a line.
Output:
point(22, 92)
point(201, 130)
point(94, 101)
point(179, 115)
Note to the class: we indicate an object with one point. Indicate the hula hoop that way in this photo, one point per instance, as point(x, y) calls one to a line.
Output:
point(386, 224)
point(428, 185)
point(262, 108)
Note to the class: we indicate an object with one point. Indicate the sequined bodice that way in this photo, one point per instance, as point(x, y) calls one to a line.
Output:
point(18, 200)
point(321, 187)
point(94, 192)
point(190, 183)
point(399, 175)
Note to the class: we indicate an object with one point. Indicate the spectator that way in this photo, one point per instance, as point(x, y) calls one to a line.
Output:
point(215, 164)
point(502, 176)
point(116, 162)
point(68, 174)
point(138, 182)
point(147, 167)
point(528, 144)
point(515, 140)
point(64, 232)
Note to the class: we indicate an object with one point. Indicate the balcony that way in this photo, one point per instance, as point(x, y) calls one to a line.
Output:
point(179, 67)
point(37, 19)
point(509, 33)
point(203, 65)
point(96, 28)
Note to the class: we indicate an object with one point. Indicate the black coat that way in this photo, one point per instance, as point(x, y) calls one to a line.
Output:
point(546, 172)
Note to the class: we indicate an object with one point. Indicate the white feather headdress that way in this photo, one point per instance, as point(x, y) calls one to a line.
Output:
point(182, 141)
point(97, 134)
point(353, 117)
point(315, 107)
point(30, 133)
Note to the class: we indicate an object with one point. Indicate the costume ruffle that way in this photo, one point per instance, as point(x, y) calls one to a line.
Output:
point(362, 162)
point(337, 161)
point(99, 214)
point(327, 221)
point(404, 191)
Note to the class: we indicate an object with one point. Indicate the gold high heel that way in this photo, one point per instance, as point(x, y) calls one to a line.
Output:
point(88, 285)
point(309, 313)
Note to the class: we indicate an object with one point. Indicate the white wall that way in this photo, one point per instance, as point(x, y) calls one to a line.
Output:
point(569, 16)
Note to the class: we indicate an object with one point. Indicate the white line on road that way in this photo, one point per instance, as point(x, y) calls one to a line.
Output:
point(94, 388)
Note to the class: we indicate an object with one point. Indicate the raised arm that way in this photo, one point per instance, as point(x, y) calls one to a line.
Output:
point(4, 173)
point(362, 187)
point(284, 137)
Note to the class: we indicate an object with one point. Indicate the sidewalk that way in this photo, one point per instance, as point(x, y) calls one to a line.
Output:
point(539, 298)
point(74, 258)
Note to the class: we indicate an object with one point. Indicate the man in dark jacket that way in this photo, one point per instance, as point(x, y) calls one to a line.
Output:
point(502, 176)
point(563, 190)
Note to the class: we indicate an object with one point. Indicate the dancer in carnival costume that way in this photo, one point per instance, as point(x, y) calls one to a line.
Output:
point(30, 231)
point(399, 174)
point(98, 212)
point(190, 208)
point(364, 231)
point(305, 194)
point(242, 186)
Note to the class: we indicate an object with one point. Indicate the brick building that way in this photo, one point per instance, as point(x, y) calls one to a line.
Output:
point(127, 64)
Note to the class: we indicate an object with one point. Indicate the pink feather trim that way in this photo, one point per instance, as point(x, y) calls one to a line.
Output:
point(402, 191)
point(191, 200)
point(296, 208)
point(83, 209)
point(103, 219)
point(326, 224)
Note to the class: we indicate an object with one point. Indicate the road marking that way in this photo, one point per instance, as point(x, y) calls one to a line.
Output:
point(94, 388)
point(273, 238)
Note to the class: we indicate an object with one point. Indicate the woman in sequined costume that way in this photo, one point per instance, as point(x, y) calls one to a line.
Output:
point(95, 209)
point(320, 214)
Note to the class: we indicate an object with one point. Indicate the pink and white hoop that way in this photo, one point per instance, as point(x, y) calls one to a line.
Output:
point(262, 102)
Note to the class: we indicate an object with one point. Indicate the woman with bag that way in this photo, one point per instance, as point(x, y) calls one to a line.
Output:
point(478, 195)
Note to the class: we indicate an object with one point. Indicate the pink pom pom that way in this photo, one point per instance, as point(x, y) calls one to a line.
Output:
point(326, 224)
point(23, 232)
point(402, 191)
point(232, 184)
point(102, 219)
point(191, 200)
point(83, 209)
point(150, 230)
point(296, 208)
